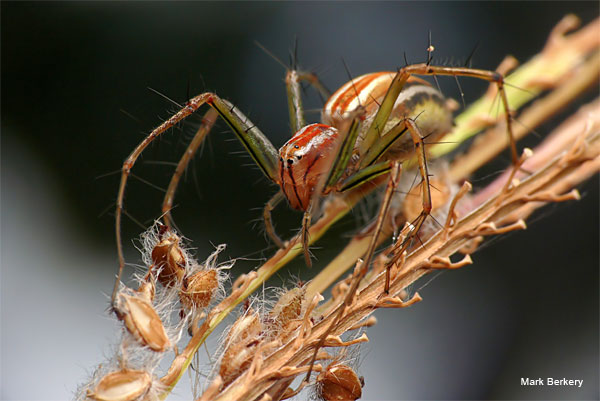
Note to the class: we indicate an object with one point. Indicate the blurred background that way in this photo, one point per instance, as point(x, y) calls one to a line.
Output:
point(76, 101)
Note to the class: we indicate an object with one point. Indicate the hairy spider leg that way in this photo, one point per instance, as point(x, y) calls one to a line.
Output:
point(294, 97)
point(268, 220)
point(208, 121)
point(342, 151)
point(293, 80)
point(401, 78)
point(377, 150)
point(426, 193)
point(373, 144)
point(255, 142)
point(394, 167)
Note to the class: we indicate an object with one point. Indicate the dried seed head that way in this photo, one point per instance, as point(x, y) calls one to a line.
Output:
point(239, 356)
point(287, 309)
point(248, 326)
point(339, 383)
point(413, 204)
point(124, 385)
point(142, 321)
point(169, 259)
point(198, 288)
point(236, 360)
point(146, 290)
point(242, 343)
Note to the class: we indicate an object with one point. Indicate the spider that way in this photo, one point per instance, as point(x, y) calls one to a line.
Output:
point(368, 127)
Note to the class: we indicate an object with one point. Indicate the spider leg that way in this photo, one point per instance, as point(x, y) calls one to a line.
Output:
point(306, 219)
point(293, 78)
point(314, 81)
point(336, 170)
point(382, 144)
point(374, 144)
point(208, 122)
point(294, 95)
point(346, 148)
point(372, 171)
point(364, 175)
point(255, 142)
point(406, 72)
point(271, 204)
point(361, 271)
point(395, 170)
point(426, 201)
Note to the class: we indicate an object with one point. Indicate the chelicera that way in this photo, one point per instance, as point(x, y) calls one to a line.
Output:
point(369, 125)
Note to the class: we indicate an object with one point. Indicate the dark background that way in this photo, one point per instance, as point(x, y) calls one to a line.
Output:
point(75, 103)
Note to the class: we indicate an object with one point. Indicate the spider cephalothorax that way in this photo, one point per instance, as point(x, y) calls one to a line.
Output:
point(303, 161)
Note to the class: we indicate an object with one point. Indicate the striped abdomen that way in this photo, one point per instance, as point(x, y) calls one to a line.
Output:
point(304, 160)
point(417, 100)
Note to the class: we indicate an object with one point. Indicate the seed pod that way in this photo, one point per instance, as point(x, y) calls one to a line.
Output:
point(169, 259)
point(287, 309)
point(123, 385)
point(142, 321)
point(146, 290)
point(339, 383)
point(239, 356)
point(236, 360)
point(242, 343)
point(198, 288)
point(247, 326)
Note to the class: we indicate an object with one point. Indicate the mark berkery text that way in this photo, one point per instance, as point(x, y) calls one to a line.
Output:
point(550, 381)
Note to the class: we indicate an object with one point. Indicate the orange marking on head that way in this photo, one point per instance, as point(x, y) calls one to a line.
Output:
point(303, 160)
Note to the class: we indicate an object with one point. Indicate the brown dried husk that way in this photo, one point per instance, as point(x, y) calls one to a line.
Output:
point(236, 359)
point(242, 343)
point(142, 321)
point(246, 326)
point(124, 385)
point(287, 309)
point(147, 290)
point(169, 260)
point(339, 383)
point(198, 289)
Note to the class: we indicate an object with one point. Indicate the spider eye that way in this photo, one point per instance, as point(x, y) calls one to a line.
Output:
point(299, 157)
point(296, 146)
point(281, 159)
point(290, 161)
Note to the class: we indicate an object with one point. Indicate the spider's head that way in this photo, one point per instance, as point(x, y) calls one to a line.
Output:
point(303, 160)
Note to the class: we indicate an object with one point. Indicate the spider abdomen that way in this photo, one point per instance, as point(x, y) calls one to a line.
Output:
point(418, 101)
